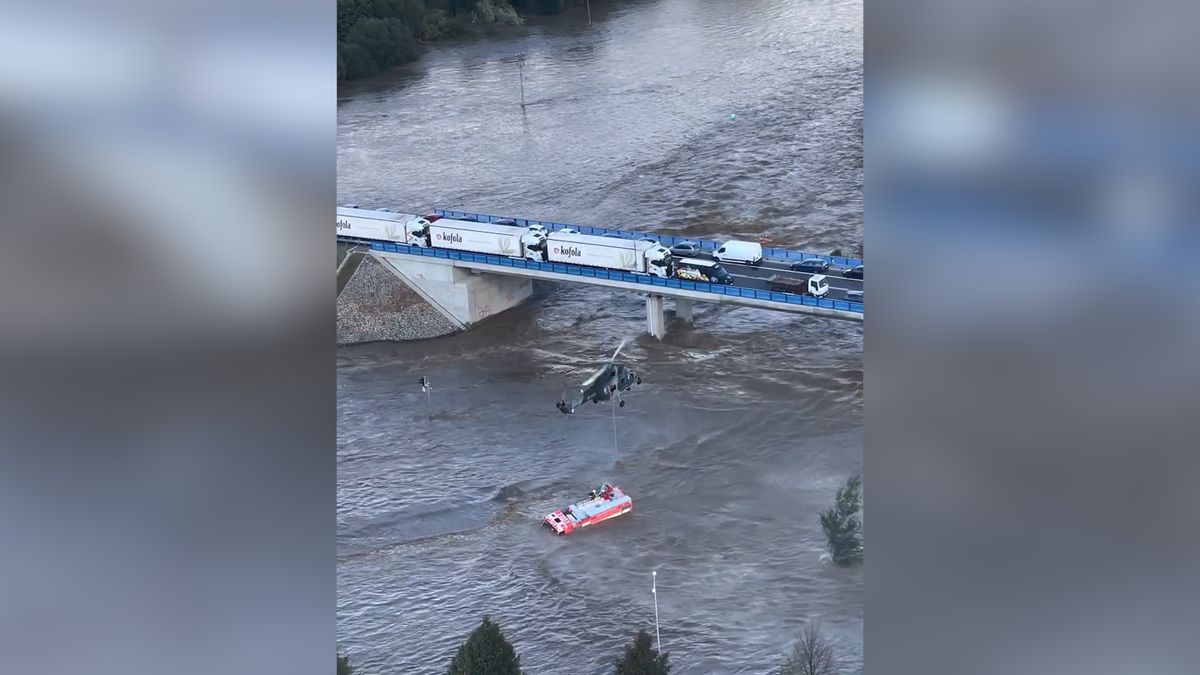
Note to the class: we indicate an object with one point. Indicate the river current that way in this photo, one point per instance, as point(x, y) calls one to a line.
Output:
point(697, 117)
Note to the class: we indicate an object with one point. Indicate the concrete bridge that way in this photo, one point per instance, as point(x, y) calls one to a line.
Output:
point(468, 287)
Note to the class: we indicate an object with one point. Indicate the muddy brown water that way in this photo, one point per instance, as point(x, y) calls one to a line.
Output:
point(747, 421)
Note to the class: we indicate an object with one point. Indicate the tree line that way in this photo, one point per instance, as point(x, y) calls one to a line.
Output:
point(374, 35)
point(487, 652)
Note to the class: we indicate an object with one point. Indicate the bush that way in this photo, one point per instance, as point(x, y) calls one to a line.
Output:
point(495, 12)
point(811, 655)
point(842, 525)
point(540, 6)
point(642, 659)
point(437, 25)
point(486, 652)
point(374, 35)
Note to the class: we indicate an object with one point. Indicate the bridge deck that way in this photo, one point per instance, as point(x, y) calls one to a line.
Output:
point(694, 290)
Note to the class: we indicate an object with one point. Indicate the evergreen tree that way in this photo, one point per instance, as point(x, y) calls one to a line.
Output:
point(540, 6)
point(343, 664)
point(486, 652)
point(641, 659)
point(843, 526)
point(811, 655)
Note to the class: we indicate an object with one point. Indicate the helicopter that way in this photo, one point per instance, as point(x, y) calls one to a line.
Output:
point(605, 384)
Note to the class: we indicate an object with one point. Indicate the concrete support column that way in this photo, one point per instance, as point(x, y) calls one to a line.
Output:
point(463, 296)
point(656, 321)
point(683, 309)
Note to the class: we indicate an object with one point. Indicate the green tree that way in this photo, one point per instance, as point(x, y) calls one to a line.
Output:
point(812, 654)
point(642, 659)
point(486, 652)
point(495, 12)
point(343, 664)
point(540, 6)
point(843, 525)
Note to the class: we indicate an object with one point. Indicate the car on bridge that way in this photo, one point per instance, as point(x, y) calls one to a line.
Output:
point(810, 266)
point(854, 296)
point(742, 252)
point(686, 249)
point(854, 272)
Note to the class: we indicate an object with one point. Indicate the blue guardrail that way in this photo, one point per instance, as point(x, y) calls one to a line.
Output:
point(615, 275)
point(665, 239)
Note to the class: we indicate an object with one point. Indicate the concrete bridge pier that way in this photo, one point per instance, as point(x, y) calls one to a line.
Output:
point(683, 309)
point(656, 320)
point(464, 296)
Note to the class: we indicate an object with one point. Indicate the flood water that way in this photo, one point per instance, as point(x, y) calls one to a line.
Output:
point(747, 421)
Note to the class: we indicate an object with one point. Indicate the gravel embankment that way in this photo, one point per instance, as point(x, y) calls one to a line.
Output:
point(375, 305)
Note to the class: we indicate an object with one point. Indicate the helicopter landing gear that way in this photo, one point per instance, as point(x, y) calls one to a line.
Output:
point(639, 380)
point(621, 404)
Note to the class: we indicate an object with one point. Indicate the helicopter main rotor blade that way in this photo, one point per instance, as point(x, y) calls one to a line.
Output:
point(624, 341)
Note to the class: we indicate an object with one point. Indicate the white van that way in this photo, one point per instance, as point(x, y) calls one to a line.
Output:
point(745, 252)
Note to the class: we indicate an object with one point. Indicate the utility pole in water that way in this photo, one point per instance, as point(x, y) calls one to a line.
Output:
point(425, 387)
point(521, 67)
point(654, 591)
point(589, 6)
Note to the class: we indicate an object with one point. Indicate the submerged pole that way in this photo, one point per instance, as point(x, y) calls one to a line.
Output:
point(654, 591)
point(521, 67)
point(425, 387)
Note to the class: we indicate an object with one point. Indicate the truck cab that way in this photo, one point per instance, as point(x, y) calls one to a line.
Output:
point(416, 231)
point(533, 243)
point(658, 261)
point(818, 285)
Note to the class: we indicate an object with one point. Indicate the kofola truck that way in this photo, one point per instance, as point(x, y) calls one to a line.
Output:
point(403, 228)
point(627, 255)
point(512, 241)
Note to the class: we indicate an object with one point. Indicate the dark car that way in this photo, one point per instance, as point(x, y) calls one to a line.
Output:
point(468, 219)
point(853, 273)
point(811, 266)
point(504, 221)
point(685, 249)
point(854, 296)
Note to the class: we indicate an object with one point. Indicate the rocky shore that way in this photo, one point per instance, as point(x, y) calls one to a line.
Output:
point(375, 305)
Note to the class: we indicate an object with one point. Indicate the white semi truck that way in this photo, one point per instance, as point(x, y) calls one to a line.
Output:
point(459, 235)
point(512, 241)
point(508, 239)
point(404, 228)
point(629, 255)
